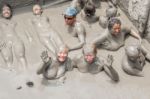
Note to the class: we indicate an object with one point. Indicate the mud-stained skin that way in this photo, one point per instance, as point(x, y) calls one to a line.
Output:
point(134, 59)
point(78, 4)
point(47, 35)
point(56, 69)
point(88, 13)
point(89, 62)
point(12, 41)
point(114, 36)
point(111, 12)
point(74, 28)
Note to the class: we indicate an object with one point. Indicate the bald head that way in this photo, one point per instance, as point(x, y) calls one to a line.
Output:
point(132, 52)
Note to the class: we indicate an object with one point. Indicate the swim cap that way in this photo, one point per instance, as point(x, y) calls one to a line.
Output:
point(71, 11)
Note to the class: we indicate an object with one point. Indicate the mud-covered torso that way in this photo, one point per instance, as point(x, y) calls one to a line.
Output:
point(114, 42)
point(61, 68)
point(42, 26)
point(8, 31)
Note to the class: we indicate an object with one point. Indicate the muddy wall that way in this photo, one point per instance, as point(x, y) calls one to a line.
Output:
point(138, 13)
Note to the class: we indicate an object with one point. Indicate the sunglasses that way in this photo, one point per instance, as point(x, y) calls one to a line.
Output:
point(68, 18)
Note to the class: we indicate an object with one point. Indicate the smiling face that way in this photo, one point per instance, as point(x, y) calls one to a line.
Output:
point(62, 54)
point(89, 57)
point(116, 29)
point(37, 10)
point(6, 12)
point(89, 53)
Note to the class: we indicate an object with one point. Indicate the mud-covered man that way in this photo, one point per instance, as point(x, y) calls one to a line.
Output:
point(74, 28)
point(88, 13)
point(114, 36)
point(49, 37)
point(12, 41)
point(56, 69)
point(89, 62)
point(134, 59)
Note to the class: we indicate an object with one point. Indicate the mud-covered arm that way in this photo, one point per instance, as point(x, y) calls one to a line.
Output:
point(80, 30)
point(133, 33)
point(46, 62)
point(100, 38)
point(110, 71)
point(146, 52)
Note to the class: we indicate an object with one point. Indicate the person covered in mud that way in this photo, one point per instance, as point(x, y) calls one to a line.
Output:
point(89, 62)
point(134, 59)
point(114, 36)
point(55, 69)
point(111, 12)
point(49, 37)
point(88, 13)
point(78, 4)
point(74, 28)
point(13, 42)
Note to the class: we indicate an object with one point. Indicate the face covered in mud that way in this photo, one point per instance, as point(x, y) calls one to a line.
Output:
point(89, 10)
point(89, 53)
point(116, 29)
point(6, 11)
point(37, 10)
point(70, 15)
point(114, 26)
point(62, 54)
point(69, 20)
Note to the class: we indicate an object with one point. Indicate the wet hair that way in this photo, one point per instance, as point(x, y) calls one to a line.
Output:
point(89, 9)
point(9, 6)
point(113, 21)
point(63, 48)
point(89, 47)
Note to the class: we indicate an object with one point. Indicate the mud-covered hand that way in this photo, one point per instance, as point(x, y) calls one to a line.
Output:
point(44, 56)
point(109, 60)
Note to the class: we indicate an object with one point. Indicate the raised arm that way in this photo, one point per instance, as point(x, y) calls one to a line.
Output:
point(110, 71)
point(136, 35)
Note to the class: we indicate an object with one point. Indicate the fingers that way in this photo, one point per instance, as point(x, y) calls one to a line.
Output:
point(44, 55)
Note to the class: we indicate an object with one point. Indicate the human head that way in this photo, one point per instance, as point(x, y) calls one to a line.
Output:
point(114, 26)
point(89, 9)
point(132, 52)
point(70, 15)
point(37, 10)
point(82, 3)
point(7, 11)
point(89, 52)
point(62, 53)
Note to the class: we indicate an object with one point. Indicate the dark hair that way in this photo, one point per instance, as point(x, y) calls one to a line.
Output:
point(82, 3)
point(89, 9)
point(9, 6)
point(113, 21)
